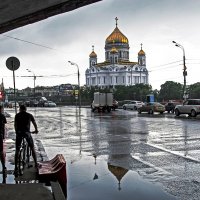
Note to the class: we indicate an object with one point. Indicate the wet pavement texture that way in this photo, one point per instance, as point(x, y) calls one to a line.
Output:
point(155, 156)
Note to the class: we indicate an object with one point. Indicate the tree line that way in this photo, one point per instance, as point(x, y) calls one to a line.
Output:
point(170, 90)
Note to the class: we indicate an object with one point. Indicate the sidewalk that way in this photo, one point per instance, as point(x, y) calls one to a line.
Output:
point(26, 186)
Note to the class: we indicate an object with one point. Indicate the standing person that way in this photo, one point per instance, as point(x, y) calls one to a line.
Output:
point(2, 136)
point(22, 125)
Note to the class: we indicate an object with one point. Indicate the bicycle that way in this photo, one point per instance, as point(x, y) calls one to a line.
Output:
point(24, 155)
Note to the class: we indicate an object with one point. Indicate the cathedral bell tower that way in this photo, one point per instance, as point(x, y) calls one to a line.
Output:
point(93, 58)
point(141, 57)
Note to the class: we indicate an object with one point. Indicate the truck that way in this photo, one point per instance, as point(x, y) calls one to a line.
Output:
point(102, 102)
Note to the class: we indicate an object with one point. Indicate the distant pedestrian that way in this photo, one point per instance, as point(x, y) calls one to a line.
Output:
point(22, 125)
point(2, 137)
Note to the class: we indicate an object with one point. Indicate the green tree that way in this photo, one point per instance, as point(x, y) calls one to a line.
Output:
point(141, 91)
point(135, 92)
point(156, 94)
point(194, 91)
point(170, 90)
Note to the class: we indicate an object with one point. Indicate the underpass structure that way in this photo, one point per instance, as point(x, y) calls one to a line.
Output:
point(15, 14)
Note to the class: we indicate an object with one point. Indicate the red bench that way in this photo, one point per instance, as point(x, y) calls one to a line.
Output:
point(54, 170)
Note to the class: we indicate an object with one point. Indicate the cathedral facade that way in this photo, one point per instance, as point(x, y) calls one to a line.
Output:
point(117, 69)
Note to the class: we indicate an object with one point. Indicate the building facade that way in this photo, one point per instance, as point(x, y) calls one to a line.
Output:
point(117, 69)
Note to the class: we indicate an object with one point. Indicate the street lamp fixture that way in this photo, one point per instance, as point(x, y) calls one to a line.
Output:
point(184, 68)
point(79, 94)
point(34, 78)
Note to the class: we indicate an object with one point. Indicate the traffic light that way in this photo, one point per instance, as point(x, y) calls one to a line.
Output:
point(2, 95)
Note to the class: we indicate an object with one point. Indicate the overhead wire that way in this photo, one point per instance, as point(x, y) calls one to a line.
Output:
point(35, 44)
point(173, 66)
point(45, 76)
point(26, 41)
point(172, 78)
point(158, 66)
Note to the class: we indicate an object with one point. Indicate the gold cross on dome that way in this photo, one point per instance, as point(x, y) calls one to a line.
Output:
point(92, 47)
point(141, 46)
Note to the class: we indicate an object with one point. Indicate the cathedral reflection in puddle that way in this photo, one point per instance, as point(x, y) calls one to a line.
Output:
point(92, 178)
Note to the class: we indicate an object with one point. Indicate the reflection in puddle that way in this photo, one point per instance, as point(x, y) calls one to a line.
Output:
point(95, 179)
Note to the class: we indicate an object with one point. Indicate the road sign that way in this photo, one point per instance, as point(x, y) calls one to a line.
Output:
point(12, 63)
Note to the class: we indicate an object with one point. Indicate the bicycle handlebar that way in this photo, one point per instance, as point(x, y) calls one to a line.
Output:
point(34, 132)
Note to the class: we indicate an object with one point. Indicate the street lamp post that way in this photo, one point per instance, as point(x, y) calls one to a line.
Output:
point(34, 78)
point(79, 94)
point(184, 68)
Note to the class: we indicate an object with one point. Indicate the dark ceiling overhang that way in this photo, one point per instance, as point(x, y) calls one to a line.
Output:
point(18, 13)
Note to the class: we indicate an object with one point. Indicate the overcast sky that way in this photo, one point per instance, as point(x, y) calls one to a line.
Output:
point(70, 36)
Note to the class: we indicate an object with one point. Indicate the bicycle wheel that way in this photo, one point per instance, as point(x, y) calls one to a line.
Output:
point(28, 154)
point(21, 162)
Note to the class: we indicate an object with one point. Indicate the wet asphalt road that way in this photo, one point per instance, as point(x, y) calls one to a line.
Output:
point(160, 151)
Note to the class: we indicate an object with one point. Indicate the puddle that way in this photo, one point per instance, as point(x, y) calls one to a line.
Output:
point(93, 178)
point(90, 178)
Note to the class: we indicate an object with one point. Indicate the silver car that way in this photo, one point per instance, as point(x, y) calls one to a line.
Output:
point(133, 105)
point(49, 104)
point(190, 107)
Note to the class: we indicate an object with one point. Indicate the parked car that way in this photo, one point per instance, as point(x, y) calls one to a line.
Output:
point(133, 105)
point(11, 104)
point(49, 104)
point(115, 104)
point(34, 103)
point(190, 107)
point(151, 108)
point(170, 106)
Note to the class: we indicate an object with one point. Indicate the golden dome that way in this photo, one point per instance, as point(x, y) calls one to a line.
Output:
point(113, 50)
point(141, 52)
point(116, 37)
point(118, 172)
point(93, 54)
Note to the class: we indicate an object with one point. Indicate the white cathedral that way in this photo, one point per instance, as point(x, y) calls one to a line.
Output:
point(117, 69)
